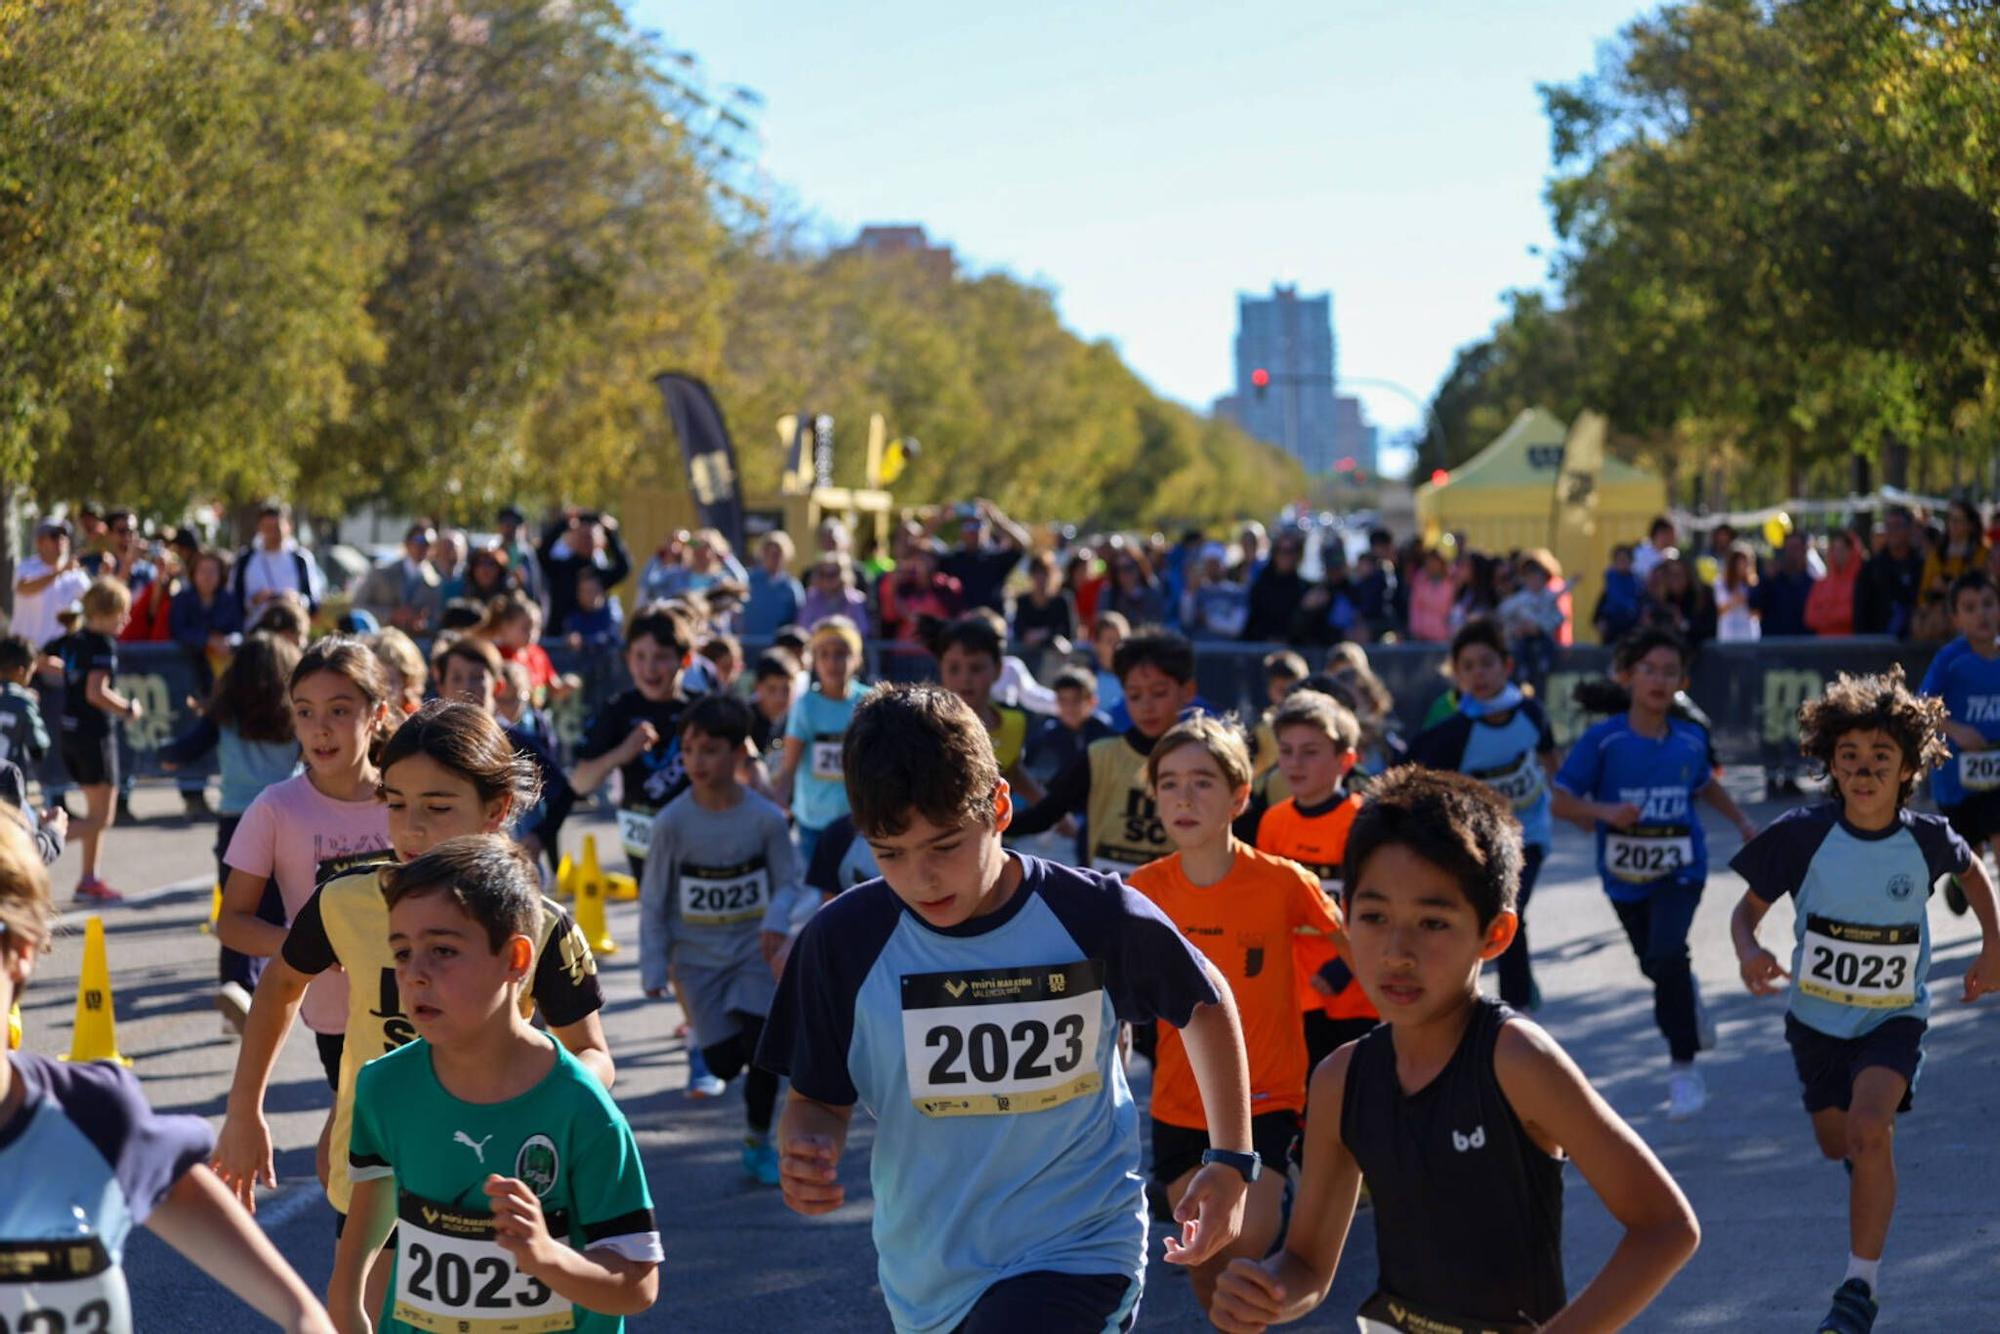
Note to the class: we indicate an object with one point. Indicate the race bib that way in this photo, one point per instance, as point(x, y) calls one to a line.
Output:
point(826, 758)
point(62, 1287)
point(1640, 856)
point(1521, 782)
point(1003, 1041)
point(723, 895)
point(1979, 770)
point(1874, 967)
point(451, 1276)
point(1383, 1314)
point(635, 829)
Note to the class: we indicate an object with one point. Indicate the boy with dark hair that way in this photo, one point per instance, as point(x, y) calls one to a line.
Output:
point(1965, 674)
point(970, 653)
point(1242, 908)
point(1633, 780)
point(24, 737)
point(1617, 610)
point(774, 680)
point(1108, 785)
point(565, 1238)
point(1055, 742)
point(715, 907)
point(972, 999)
point(1283, 670)
point(1860, 870)
point(638, 732)
point(1318, 741)
point(1466, 1167)
point(1500, 736)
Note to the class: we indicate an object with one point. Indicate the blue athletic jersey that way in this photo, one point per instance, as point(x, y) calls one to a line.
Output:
point(1613, 763)
point(1970, 688)
point(1506, 756)
point(819, 790)
point(841, 859)
point(82, 1162)
point(988, 1054)
point(1862, 939)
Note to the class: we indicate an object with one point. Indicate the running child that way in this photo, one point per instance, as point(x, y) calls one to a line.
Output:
point(971, 998)
point(1318, 741)
point(448, 771)
point(715, 908)
point(302, 831)
point(1242, 909)
point(1633, 779)
point(1459, 1113)
point(1111, 630)
point(537, 1207)
point(1058, 741)
point(1860, 870)
point(1500, 736)
point(1108, 785)
point(83, 1160)
point(969, 653)
point(809, 782)
point(24, 737)
point(774, 681)
point(1965, 674)
point(87, 657)
point(471, 669)
point(637, 734)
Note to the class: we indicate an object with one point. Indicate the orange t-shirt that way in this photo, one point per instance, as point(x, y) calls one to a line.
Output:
point(1318, 843)
point(1244, 924)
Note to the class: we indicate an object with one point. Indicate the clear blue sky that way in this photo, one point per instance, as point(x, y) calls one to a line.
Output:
point(1149, 162)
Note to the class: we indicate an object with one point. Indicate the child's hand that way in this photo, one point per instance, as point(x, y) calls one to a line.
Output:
point(808, 1171)
point(1747, 827)
point(134, 710)
point(242, 1157)
point(519, 1227)
point(772, 945)
point(1622, 816)
point(56, 820)
point(639, 740)
point(1210, 1214)
point(1984, 975)
point(1761, 972)
point(1248, 1298)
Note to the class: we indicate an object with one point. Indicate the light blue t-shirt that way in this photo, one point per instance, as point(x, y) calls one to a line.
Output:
point(1861, 951)
point(248, 767)
point(819, 790)
point(1613, 763)
point(1505, 754)
point(1970, 688)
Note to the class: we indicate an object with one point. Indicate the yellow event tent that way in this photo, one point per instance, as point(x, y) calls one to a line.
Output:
point(1504, 498)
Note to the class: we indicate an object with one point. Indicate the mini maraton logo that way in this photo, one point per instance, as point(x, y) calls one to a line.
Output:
point(1901, 887)
point(537, 1164)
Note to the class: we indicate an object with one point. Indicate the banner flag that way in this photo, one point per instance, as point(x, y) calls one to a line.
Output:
point(710, 454)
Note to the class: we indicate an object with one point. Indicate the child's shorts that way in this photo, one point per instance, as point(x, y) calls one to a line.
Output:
point(91, 761)
point(1828, 1065)
point(1976, 819)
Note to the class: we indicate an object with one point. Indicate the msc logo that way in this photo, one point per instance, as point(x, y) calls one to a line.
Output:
point(1466, 1143)
point(1901, 887)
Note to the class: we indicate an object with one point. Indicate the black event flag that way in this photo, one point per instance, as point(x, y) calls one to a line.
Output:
point(710, 455)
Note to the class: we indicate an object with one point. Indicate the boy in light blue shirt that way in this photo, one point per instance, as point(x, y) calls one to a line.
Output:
point(809, 780)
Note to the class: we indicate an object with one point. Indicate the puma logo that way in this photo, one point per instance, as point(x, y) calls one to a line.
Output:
point(956, 989)
point(478, 1146)
point(1465, 1143)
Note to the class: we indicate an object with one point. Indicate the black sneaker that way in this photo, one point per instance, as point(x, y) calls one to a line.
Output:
point(1954, 897)
point(1854, 1309)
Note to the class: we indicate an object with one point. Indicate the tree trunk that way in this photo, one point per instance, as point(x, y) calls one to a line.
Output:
point(10, 543)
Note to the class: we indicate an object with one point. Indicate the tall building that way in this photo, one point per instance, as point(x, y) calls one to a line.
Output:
point(1353, 437)
point(1284, 374)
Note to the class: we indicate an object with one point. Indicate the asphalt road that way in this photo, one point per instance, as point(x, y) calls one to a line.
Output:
point(1773, 1213)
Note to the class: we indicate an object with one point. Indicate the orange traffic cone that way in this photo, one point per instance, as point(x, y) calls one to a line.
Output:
point(96, 1035)
point(590, 901)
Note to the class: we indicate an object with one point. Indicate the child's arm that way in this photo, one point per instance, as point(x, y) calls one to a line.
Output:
point(1251, 1295)
point(1760, 967)
point(1716, 795)
point(243, 1146)
point(658, 914)
point(811, 1135)
point(585, 1040)
point(1984, 975)
point(788, 768)
point(598, 1279)
point(1068, 793)
point(1562, 1111)
point(97, 690)
point(1211, 1209)
point(238, 926)
point(371, 1212)
point(200, 1219)
point(590, 774)
point(1965, 736)
point(1566, 805)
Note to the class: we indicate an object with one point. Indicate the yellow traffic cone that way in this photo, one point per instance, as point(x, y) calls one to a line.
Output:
point(214, 913)
point(620, 888)
point(590, 901)
point(14, 1027)
point(565, 878)
point(96, 1035)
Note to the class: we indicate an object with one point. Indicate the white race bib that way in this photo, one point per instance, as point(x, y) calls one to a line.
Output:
point(1003, 1041)
point(1641, 856)
point(451, 1276)
point(62, 1287)
point(1520, 783)
point(635, 829)
point(1874, 967)
point(1979, 770)
point(826, 759)
point(721, 895)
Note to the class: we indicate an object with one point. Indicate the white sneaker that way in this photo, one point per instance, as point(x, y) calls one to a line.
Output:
point(1687, 1094)
point(234, 1003)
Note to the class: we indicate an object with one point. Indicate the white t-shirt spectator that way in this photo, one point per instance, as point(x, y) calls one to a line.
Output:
point(35, 613)
point(277, 571)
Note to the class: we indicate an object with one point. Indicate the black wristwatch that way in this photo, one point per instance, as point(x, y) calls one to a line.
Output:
point(1249, 1164)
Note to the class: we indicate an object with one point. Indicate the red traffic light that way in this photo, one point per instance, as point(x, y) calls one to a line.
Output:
point(1260, 377)
point(1440, 477)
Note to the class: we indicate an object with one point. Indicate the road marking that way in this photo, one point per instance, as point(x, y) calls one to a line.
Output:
point(288, 1203)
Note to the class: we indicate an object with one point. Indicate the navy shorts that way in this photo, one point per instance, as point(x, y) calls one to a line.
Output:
point(1177, 1150)
point(1976, 819)
point(1052, 1303)
point(1828, 1065)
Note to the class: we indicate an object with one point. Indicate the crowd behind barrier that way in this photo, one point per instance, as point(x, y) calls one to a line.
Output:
point(1751, 692)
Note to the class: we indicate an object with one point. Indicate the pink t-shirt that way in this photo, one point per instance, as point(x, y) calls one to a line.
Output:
point(294, 832)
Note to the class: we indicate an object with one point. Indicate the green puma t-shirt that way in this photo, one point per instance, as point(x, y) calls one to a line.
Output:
point(565, 1137)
